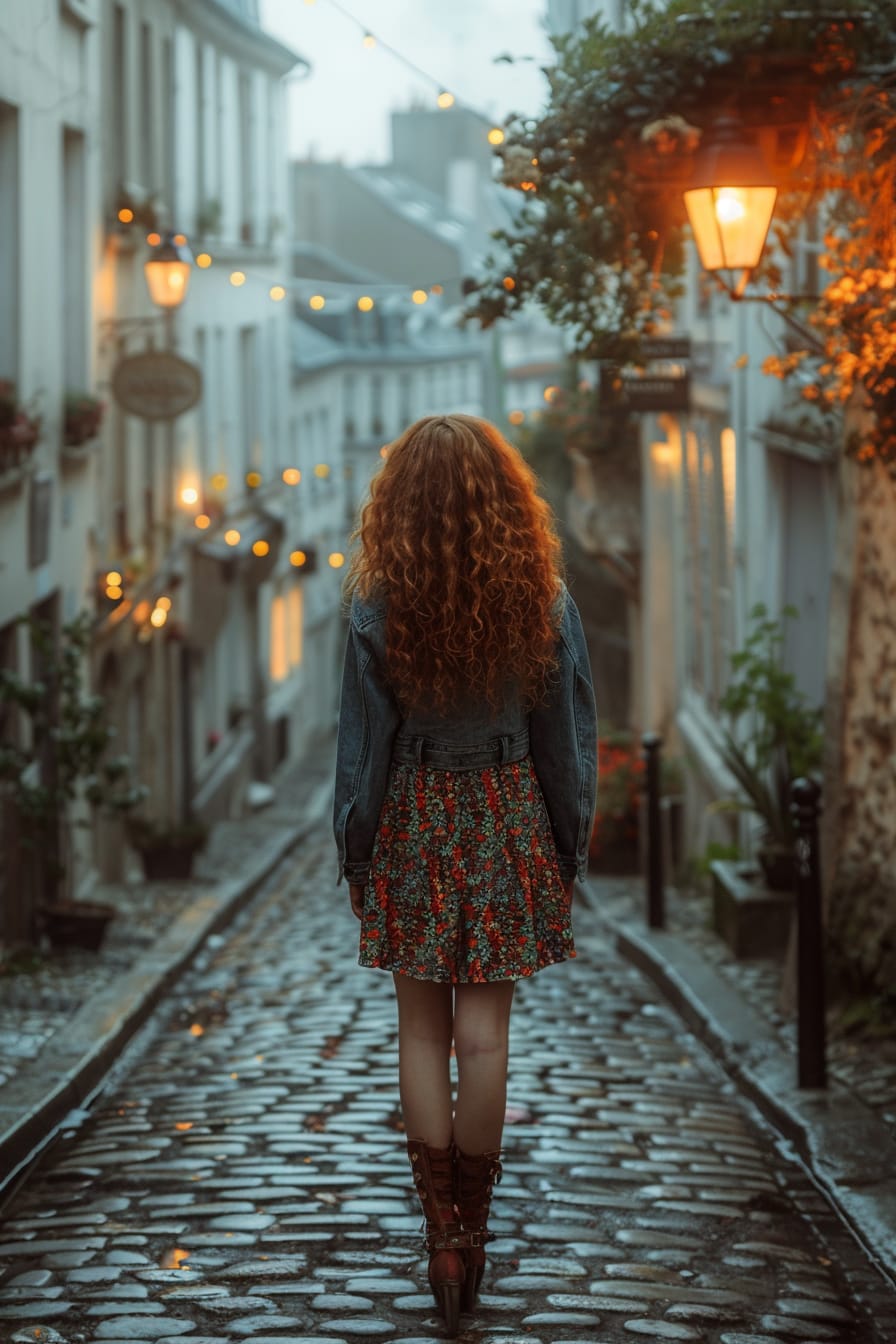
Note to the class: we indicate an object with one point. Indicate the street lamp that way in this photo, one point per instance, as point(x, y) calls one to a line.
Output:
point(167, 271)
point(730, 202)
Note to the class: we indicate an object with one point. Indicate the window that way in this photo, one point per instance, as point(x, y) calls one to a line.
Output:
point(9, 242)
point(75, 266)
point(710, 454)
point(247, 204)
point(377, 427)
point(167, 123)
point(286, 631)
point(249, 396)
point(147, 113)
point(119, 117)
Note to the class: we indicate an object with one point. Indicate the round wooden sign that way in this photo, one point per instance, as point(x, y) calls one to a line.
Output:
point(156, 385)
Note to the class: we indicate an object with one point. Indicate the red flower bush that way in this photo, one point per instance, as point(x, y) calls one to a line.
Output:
point(620, 782)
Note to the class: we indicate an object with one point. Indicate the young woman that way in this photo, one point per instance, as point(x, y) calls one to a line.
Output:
point(465, 792)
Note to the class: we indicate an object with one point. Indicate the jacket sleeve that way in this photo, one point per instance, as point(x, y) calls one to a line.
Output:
point(563, 743)
point(368, 722)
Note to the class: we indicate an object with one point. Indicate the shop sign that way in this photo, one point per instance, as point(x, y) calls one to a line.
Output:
point(156, 385)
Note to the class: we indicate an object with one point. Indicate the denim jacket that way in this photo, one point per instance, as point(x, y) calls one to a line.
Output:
point(562, 734)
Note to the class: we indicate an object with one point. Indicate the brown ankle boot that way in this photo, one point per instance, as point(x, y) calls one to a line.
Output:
point(474, 1177)
point(434, 1180)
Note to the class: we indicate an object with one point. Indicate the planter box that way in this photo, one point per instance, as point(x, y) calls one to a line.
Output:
point(752, 920)
point(164, 863)
point(80, 924)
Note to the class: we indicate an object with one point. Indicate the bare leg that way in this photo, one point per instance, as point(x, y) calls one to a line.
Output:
point(481, 1024)
point(424, 1051)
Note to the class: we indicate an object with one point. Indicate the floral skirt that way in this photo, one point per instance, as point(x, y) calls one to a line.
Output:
point(464, 885)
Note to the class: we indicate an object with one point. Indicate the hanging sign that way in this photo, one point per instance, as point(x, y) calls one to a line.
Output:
point(156, 385)
point(644, 392)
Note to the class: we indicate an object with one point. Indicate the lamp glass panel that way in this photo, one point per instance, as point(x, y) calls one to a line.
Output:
point(730, 224)
point(701, 213)
point(167, 282)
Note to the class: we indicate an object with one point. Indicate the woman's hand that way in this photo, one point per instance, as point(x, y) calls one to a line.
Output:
point(356, 895)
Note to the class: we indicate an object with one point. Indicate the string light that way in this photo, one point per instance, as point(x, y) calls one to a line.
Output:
point(158, 617)
point(336, 559)
point(253, 479)
point(292, 475)
point(232, 537)
point(237, 278)
point(516, 417)
point(219, 481)
point(317, 302)
point(113, 579)
point(297, 559)
point(202, 521)
point(496, 136)
point(153, 239)
point(365, 303)
point(277, 293)
point(189, 495)
point(420, 296)
point(204, 261)
point(164, 603)
point(322, 471)
point(445, 99)
point(369, 41)
point(125, 215)
point(260, 548)
point(509, 282)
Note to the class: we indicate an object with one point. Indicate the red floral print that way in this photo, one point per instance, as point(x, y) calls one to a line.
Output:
point(464, 885)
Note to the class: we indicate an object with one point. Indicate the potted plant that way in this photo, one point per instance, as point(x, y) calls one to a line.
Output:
point(82, 417)
point(167, 849)
point(66, 768)
point(20, 428)
point(780, 741)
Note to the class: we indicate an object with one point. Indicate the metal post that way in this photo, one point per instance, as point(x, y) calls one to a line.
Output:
point(186, 734)
point(656, 915)
point(805, 808)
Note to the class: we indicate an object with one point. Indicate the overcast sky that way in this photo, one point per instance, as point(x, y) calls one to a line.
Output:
point(342, 109)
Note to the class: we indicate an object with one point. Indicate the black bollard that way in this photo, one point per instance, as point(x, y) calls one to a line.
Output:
point(805, 807)
point(656, 913)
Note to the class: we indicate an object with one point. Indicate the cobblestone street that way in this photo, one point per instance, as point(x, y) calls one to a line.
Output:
point(243, 1176)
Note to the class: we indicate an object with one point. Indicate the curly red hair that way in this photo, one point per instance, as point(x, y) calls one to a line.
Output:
point(458, 540)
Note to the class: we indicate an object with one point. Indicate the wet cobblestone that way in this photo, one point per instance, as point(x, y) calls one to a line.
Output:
point(243, 1177)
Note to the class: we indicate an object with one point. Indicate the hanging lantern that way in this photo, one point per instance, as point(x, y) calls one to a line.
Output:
point(167, 271)
point(730, 201)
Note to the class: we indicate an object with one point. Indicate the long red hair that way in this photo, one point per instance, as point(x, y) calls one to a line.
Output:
point(466, 553)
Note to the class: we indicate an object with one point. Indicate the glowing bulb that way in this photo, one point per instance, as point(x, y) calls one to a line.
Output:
point(114, 592)
point(297, 559)
point(436, 289)
point(113, 578)
point(202, 521)
point(729, 205)
point(154, 239)
point(219, 481)
point(336, 559)
point(237, 278)
point(164, 603)
point(277, 293)
point(260, 548)
point(231, 536)
point(204, 260)
point(180, 239)
point(317, 302)
point(550, 393)
point(189, 495)
point(419, 296)
point(158, 617)
point(365, 303)
point(369, 41)
point(322, 471)
point(253, 479)
point(496, 136)
point(125, 215)
point(509, 282)
point(445, 99)
point(292, 475)
point(516, 417)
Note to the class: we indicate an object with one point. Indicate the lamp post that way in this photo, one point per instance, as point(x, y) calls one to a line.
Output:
point(730, 202)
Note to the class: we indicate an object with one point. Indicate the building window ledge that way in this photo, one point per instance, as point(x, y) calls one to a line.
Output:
point(83, 12)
